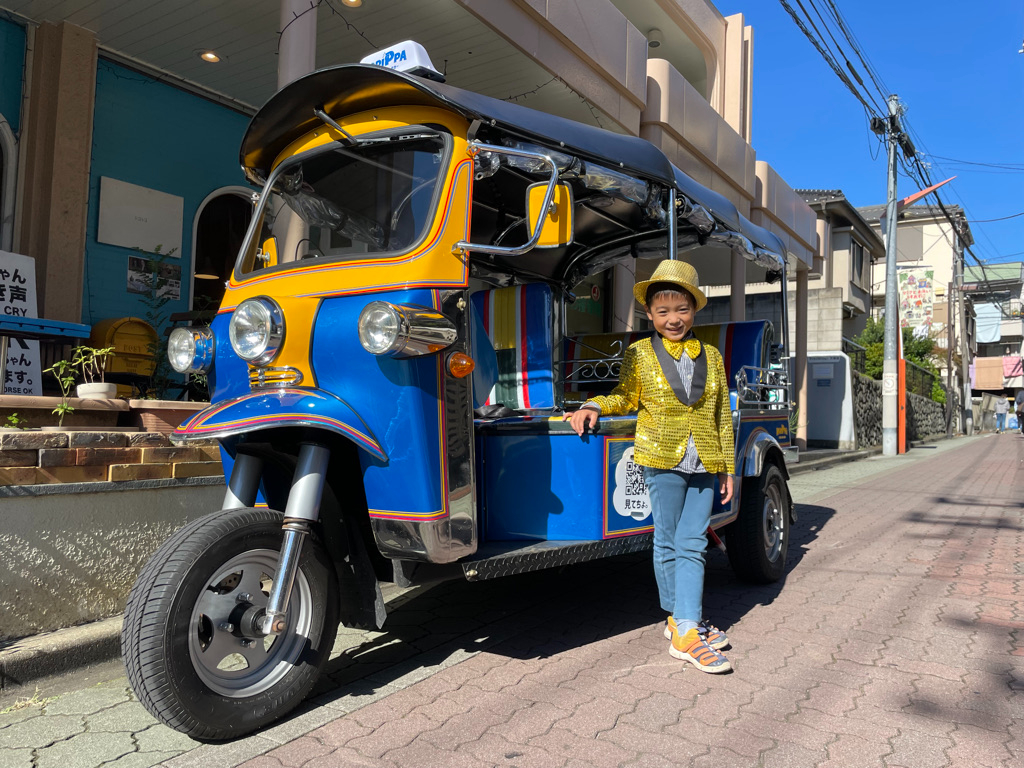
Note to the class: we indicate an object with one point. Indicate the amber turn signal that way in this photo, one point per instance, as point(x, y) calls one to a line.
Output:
point(460, 364)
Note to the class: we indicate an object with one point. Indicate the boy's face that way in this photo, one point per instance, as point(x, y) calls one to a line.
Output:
point(672, 314)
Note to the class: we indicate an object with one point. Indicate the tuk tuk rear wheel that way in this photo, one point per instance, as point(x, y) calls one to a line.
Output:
point(757, 542)
point(188, 656)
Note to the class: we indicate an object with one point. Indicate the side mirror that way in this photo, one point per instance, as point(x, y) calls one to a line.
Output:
point(556, 222)
point(268, 252)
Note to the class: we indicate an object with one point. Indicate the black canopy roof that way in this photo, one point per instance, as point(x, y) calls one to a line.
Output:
point(350, 88)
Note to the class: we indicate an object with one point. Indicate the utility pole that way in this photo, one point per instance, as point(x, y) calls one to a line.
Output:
point(890, 370)
point(965, 352)
point(949, 354)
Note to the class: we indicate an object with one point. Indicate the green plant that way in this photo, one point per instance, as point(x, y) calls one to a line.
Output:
point(64, 372)
point(14, 421)
point(92, 362)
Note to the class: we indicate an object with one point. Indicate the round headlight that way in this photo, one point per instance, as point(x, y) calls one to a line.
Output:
point(190, 350)
point(380, 328)
point(181, 349)
point(257, 330)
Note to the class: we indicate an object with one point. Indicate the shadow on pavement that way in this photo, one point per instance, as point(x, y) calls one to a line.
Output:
point(1000, 523)
point(540, 614)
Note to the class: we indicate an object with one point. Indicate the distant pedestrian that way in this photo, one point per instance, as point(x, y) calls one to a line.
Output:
point(683, 440)
point(1002, 408)
point(1019, 408)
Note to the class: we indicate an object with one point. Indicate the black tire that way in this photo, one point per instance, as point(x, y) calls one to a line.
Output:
point(757, 542)
point(178, 612)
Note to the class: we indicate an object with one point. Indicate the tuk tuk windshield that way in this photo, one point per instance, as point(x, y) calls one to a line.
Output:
point(345, 202)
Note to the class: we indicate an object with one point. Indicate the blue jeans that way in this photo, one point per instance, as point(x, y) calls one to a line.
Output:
point(681, 508)
point(1000, 421)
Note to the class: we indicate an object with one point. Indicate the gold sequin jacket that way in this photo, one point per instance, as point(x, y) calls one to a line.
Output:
point(664, 424)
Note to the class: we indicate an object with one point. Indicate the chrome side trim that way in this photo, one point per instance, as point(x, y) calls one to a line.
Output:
point(280, 376)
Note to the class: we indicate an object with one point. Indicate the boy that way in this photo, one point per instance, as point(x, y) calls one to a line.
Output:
point(683, 439)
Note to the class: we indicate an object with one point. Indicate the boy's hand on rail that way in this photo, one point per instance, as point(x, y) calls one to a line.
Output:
point(725, 487)
point(582, 419)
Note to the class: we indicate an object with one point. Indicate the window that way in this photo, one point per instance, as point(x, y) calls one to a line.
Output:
point(857, 251)
point(346, 202)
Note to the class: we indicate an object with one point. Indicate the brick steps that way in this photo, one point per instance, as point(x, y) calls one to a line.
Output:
point(30, 457)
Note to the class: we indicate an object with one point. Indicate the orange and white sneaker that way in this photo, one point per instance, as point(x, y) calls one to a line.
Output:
point(692, 647)
point(716, 638)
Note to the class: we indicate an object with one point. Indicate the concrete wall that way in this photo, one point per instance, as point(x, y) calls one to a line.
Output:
point(71, 557)
point(12, 72)
point(163, 138)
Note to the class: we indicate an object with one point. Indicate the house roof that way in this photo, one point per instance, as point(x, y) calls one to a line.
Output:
point(820, 195)
point(837, 203)
point(991, 273)
point(872, 213)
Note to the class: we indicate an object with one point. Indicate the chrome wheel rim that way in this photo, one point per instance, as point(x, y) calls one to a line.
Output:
point(235, 666)
point(773, 523)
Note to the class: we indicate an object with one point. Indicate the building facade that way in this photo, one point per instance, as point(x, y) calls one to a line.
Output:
point(120, 96)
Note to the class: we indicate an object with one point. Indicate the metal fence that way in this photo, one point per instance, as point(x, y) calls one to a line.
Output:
point(919, 380)
point(856, 354)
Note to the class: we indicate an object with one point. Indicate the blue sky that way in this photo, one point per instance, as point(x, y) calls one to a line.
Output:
point(954, 65)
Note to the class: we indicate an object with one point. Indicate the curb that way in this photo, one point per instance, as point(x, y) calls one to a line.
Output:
point(55, 653)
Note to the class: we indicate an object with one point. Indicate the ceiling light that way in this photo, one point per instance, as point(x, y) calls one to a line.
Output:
point(654, 38)
point(209, 56)
point(352, 3)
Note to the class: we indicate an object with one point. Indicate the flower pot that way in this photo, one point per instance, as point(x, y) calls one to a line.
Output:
point(96, 391)
point(162, 415)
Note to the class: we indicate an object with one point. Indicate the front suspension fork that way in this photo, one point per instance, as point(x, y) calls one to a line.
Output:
point(302, 510)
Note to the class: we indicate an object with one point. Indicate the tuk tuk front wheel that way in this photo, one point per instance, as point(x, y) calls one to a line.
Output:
point(191, 654)
point(757, 542)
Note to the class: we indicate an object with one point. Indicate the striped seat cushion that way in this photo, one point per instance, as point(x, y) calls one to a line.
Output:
point(518, 322)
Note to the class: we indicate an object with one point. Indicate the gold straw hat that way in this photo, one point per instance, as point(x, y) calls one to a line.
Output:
point(678, 272)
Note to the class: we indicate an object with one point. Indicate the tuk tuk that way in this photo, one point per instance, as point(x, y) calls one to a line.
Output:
point(388, 373)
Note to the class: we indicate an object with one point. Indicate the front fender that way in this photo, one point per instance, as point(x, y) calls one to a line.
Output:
point(285, 407)
point(757, 448)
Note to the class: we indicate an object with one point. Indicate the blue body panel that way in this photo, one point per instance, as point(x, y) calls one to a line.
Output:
point(397, 400)
point(542, 487)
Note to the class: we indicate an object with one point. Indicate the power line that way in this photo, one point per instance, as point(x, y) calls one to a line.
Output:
point(1001, 218)
point(1008, 166)
point(825, 55)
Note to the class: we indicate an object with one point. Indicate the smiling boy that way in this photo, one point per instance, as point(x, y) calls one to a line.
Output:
point(683, 440)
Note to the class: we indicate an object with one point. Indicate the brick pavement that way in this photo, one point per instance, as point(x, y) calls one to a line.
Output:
point(896, 640)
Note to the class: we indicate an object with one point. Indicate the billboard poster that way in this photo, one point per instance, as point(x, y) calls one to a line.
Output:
point(917, 296)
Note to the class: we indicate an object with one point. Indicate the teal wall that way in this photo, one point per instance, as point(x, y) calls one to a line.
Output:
point(163, 138)
point(12, 71)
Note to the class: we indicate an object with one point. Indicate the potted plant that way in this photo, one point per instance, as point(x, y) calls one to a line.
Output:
point(64, 372)
point(93, 363)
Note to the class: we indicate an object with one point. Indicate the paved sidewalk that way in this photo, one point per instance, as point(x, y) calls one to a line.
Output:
point(896, 639)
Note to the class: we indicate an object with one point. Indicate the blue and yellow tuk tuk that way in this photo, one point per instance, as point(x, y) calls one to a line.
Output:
point(389, 370)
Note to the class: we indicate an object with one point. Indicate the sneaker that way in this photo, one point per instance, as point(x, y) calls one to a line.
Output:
point(715, 637)
point(692, 647)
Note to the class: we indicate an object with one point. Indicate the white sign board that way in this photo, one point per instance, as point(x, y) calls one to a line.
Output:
point(18, 299)
point(137, 217)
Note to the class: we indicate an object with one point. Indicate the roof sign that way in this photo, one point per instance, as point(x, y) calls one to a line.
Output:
point(408, 56)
